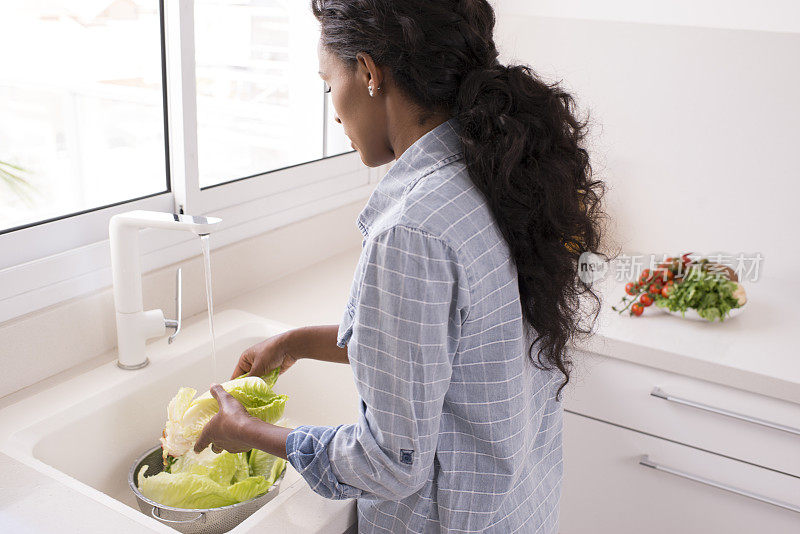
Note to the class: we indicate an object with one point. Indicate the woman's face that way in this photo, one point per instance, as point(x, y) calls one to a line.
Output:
point(363, 117)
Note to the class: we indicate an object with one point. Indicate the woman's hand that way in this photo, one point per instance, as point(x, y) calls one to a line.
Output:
point(229, 428)
point(233, 429)
point(263, 357)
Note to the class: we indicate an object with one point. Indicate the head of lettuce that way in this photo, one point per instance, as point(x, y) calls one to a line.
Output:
point(208, 479)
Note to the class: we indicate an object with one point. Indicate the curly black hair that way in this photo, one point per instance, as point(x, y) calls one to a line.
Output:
point(522, 143)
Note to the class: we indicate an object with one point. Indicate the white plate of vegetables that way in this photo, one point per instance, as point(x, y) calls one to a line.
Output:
point(691, 289)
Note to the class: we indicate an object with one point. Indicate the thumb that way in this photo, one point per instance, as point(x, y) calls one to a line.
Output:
point(219, 393)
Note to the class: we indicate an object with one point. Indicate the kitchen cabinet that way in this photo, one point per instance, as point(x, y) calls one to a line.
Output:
point(607, 490)
point(637, 462)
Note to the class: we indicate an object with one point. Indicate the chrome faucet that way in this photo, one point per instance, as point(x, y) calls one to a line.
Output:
point(134, 325)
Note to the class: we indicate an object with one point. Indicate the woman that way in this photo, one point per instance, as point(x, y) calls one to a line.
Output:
point(471, 242)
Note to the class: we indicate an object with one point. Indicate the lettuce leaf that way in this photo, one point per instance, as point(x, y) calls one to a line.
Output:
point(248, 488)
point(266, 465)
point(224, 468)
point(186, 415)
point(272, 410)
point(197, 487)
point(184, 490)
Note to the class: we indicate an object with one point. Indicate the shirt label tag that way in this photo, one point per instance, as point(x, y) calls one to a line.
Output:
point(407, 456)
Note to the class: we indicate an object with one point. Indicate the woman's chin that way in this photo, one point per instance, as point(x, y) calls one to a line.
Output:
point(364, 160)
point(368, 163)
point(371, 161)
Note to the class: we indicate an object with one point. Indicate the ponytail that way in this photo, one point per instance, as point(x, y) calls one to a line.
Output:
point(523, 148)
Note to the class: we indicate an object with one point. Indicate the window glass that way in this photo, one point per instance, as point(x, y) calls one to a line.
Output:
point(261, 105)
point(81, 107)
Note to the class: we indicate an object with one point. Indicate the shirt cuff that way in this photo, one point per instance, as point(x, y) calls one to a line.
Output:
point(307, 451)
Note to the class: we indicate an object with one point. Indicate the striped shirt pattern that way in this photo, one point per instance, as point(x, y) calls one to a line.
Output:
point(458, 430)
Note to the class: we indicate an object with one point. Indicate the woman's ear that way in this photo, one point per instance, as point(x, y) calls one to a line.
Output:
point(368, 71)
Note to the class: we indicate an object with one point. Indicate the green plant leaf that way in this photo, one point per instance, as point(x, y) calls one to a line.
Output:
point(18, 185)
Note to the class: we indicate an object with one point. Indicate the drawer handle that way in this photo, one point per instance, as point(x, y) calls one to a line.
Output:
point(661, 394)
point(645, 461)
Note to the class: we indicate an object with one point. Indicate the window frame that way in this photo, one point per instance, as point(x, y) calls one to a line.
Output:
point(46, 263)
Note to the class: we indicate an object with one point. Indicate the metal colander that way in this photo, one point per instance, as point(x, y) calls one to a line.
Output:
point(194, 520)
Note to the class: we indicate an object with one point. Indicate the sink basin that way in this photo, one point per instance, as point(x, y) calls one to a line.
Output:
point(87, 431)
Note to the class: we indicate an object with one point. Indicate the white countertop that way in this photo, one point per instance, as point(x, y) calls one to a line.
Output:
point(752, 352)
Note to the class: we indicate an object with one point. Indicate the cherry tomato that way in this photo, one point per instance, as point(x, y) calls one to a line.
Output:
point(662, 275)
point(666, 290)
point(630, 288)
point(654, 288)
point(645, 276)
point(671, 283)
point(636, 309)
point(646, 300)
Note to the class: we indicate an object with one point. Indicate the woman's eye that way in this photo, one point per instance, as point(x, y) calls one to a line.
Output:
point(327, 87)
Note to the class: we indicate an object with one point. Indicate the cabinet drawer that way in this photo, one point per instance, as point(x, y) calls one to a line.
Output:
point(606, 490)
point(625, 394)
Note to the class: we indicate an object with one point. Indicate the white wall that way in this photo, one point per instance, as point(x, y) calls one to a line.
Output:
point(773, 15)
point(696, 123)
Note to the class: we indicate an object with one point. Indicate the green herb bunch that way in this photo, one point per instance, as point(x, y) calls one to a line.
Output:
point(709, 293)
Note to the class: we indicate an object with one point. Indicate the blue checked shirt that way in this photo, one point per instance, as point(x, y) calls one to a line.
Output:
point(458, 431)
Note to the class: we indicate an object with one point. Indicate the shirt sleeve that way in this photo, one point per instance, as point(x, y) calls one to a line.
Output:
point(406, 326)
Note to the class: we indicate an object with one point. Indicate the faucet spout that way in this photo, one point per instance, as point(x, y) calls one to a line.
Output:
point(166, 221)
point(134, 325)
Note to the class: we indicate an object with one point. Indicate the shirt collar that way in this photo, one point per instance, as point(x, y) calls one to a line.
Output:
point(435, 149)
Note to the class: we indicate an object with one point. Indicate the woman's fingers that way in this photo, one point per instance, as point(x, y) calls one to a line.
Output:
point(245, 363)
point(206, 436)
point(288, 361)
point(203, 440)
point(222, 430)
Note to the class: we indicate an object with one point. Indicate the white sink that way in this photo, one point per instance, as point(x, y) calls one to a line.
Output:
point(87, 431)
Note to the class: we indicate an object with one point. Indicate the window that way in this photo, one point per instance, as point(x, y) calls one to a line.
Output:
point(81, 107)
point(209, 107)
point(260, 104)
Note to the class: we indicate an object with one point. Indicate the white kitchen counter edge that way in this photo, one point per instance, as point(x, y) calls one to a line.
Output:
point(709, 370)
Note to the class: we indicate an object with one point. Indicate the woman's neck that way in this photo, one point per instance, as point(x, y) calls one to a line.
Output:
point(409, 130)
